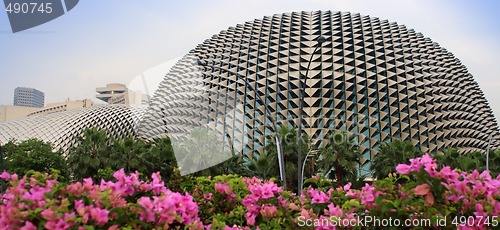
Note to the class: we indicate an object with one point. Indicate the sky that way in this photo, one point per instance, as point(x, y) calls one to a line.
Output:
point(107, 41)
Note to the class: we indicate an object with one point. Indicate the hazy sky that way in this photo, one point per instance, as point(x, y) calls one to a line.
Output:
point(104, 41)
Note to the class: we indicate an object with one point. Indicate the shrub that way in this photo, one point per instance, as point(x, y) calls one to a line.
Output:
point(421, 190)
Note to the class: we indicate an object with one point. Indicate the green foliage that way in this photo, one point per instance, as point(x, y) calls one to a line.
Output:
point(105, 174)
point(266, 165)
point(419, 191)
point(97, 156)
point(263, 165)
point(234, 165)
point(161, 158)
point(128, 153)
point(210, 201)
point(318, 182)
point(202, 153)
point(339, 158)
point(453, 158)
point(33, 155)
point(469, 161)
point(90, 155)
point(390, 155)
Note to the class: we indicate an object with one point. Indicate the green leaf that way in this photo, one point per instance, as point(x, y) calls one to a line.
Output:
point(387, 207)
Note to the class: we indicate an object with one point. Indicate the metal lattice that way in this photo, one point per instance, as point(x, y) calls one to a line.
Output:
point(62, 128)
point(372, 78)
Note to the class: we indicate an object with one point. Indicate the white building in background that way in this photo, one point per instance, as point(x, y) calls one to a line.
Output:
point(12, 112)
point(63, 106)
point(113, 94)
point(116, 93)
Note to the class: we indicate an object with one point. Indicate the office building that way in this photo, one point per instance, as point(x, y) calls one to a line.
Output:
point(28, 97)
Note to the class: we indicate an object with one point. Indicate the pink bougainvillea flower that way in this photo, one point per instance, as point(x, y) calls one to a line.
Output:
point(354, 194)
point(367, 194)
point(5, 175)
point(480, 211)
point(304, 213)
point(429, 199)
point(318, 197)
point(114, 227)
point(48, 214)
point(207, 196)
point(148, 213)
point(334, 210)
point(403, 169)
point(282, 202)
point(293, 206)
point(252, 181)
point(222, 188)
point(268, 210)
point(422, 190)
point(99, 215)
point(347, 186)
point(250, 217)
point(28, 226)
point(427, 160)
point(448, 174)
point(158, 186)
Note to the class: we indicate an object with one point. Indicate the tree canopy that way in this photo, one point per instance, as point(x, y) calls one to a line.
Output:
point(33, 155)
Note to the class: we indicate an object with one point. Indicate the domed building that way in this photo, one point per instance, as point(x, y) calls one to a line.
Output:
point(62, 129)
point(372, 78)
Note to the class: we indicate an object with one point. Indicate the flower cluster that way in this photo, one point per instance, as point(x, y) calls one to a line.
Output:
point(224, 188)
point(421, 190)
point(471, 194)
point(29, 203)
point(258, 201)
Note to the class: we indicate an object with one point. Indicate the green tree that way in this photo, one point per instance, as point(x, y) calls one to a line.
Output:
point(469, 161)
point(235, 165)
point(201, 153)
point(130, 154)
point(339, 157)
point(263, 165)
point(453, 158)
point(161, 156)
point(90, 155)
point(289, 149)
point(390, 155)
point(494, 162)
point(33, 155)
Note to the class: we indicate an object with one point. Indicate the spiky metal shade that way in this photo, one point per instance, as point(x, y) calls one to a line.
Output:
point(61, 129)
point(371, 78)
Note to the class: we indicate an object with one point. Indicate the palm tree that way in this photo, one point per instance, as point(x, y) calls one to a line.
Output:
point(200, 152)
point(494, 162)
point(90, 155)
point(289, 149)
point(235, 165)
point(453, 158)
point(129, 153)
point(264, 165)
point(161, 155)
point(339, 157)
point(390, 155)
